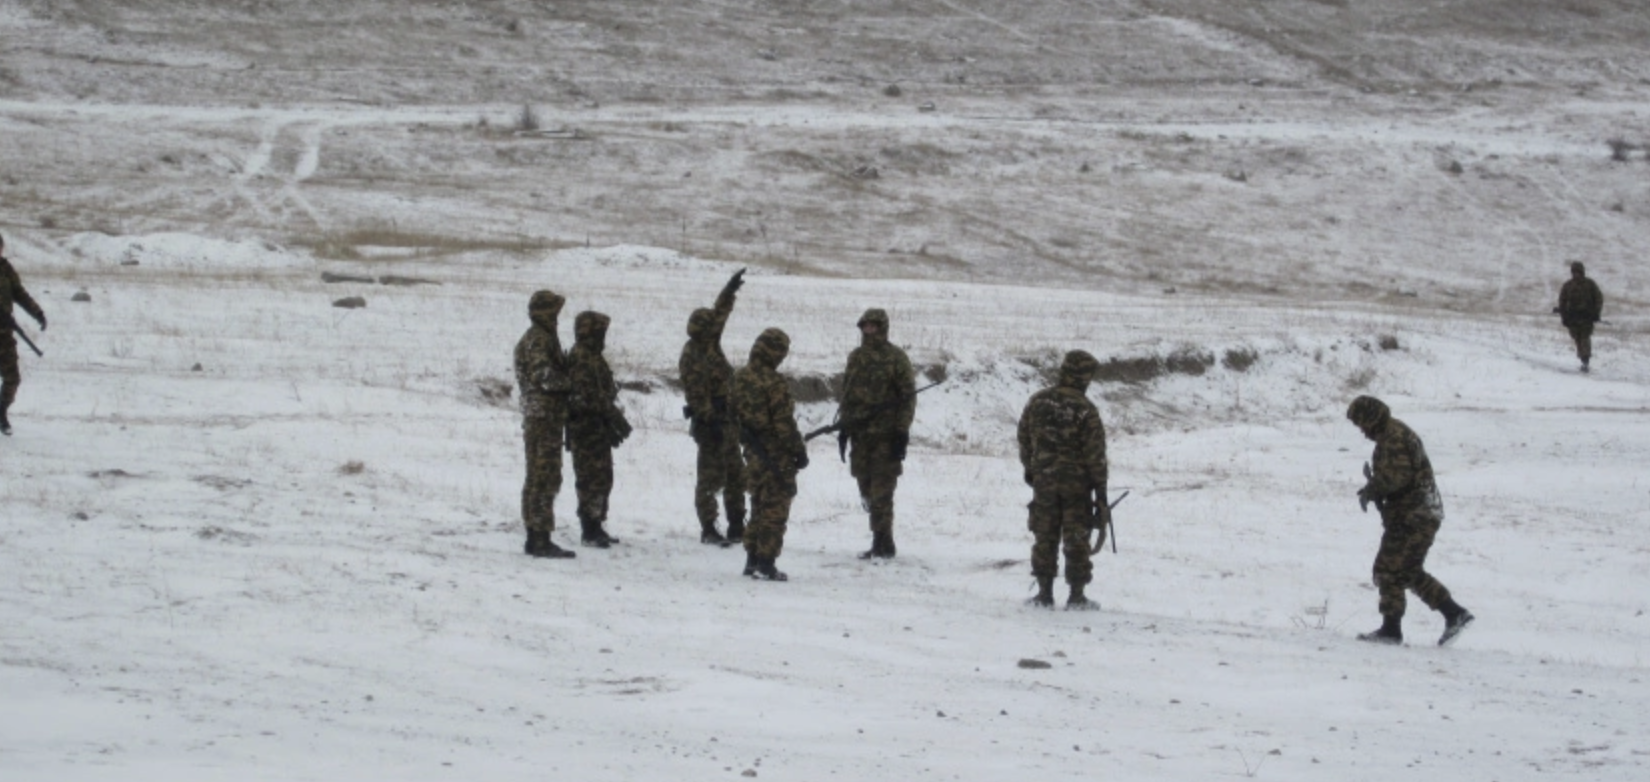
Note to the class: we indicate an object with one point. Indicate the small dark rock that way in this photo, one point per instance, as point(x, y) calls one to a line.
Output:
point(892, 91)
point(929, 106)
point(81, 296)
point(196, 367)
point(1035, 664)
point(350, 302)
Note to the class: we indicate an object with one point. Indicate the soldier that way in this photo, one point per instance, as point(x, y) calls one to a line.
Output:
point(1580, 304)
point(1063, 453)
point(1402, 487)
point(541, 372)
point(11, 291)
point(774, 450)
point(878, 402)
point(595, 425)
point(707, 379)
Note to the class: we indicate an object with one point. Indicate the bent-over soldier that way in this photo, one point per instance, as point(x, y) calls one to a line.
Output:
point(1402, 487)
point(707, 382)
point(541, 373)
point(595, 426)
point(774, 450)
point(1063, 455)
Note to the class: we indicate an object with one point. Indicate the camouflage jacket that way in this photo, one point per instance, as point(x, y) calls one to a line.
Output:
point(1401, 479)
point(707, 376)
point(594, 401)
point(1580, 302)
point(879, 375)
point(762, 402)
point(11, 291)
point(542, 372)
point(1062, 438)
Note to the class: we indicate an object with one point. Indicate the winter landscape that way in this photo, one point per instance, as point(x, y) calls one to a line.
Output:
point(246, 534)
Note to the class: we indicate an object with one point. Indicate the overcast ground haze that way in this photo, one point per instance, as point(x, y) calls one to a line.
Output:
point(301, 561)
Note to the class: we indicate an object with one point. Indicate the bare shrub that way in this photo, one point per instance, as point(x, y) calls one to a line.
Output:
point(1189, 361)
point(352, 467)
point(1387, 341)
point(806, 389)
point(1130, 370)
point(1239, 359)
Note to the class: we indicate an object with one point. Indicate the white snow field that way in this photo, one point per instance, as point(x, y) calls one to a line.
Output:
point(245, 534)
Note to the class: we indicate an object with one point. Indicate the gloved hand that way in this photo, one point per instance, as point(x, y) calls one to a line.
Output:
point(619, 430)
point(1364, 499)
point(42, 320)
point(735, 282)
point(802, 461)
point(1029, 478)
point(902, 441)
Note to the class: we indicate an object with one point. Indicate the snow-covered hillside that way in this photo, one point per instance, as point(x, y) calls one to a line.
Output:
point(245, 534)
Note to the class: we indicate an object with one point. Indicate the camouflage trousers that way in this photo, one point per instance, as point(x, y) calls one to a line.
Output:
point(592, 479)
point(721, 471)
point(9, 376)
point(873, 465)
point(771, 495)
point(1060, 520)
point(1582, 333)
point(542, 435)
point(1400, 563)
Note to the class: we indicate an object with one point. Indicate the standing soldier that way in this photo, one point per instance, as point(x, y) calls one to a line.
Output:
point(1063, 453)
point(878, 402)
point(11, 290)
point(541, 372)
point(1403, 489)
point(595, 425)
point(1580, 305)
point(774, 450)
point(707, 379)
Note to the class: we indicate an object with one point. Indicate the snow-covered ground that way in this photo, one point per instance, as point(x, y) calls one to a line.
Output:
point(247, 535)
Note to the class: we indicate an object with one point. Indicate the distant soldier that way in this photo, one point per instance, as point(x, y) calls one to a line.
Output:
point(707, 380)
point(1063, 454)
point(595, 425)
point(1580, 305)
point(541, 372)
point(11, 291)
point(1402, 488)
point(879, 400)
point(774, 450)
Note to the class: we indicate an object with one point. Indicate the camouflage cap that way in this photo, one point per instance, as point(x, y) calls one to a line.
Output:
point(589, 322)
point(771, 346)
point(877, 316)
point(1079, 368)
point(1577, 268)
point(1367, 412)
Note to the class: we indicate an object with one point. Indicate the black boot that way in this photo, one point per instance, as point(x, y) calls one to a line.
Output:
point(1077, 602)
point(1390, 633)
point(591, 535)
point(540, 545)
point(1045, 593)
point(750, 564)
point(767, 572)
point(710, 537)
point(533, 544)
point(882, 546)
point(5, 423)
point(1456, 619)
point(736, 529)
point(1584, 364)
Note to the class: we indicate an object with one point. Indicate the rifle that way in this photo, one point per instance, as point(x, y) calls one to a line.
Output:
point(751, 439)
point(1094, 548)
point(11, 323)
point(839, 426)
point(1595, 320)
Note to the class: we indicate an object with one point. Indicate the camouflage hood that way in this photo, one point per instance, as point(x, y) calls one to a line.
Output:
point(1577, 269)
point(1367, 412)
point(771, 348)
point(590, 330)
point(544, 308)
point(1078, 370)
point(702, 326)
point(880, 318)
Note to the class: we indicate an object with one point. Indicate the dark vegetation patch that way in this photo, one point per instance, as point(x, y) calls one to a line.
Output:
point(1239, 359)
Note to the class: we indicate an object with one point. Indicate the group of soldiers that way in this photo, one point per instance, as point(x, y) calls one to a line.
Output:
point(744, 425)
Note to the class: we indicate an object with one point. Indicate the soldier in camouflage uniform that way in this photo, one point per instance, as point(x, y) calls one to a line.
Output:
point(879, 400)
point(707, 380)
point(1580, 305)
point(1403, 489)
point(11, 291)
point(1063, 454)
point(541, 372)
point(595, 425)
point(774, 450)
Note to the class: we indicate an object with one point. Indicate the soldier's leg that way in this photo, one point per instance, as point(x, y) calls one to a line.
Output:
point(1074, 534)
point(711, 477)
point(1411, 573)
point(1583, 337)
point(1044, 523)
point(733, 486)
point(1388, 572)
point(10, 378)
point(543, 482)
